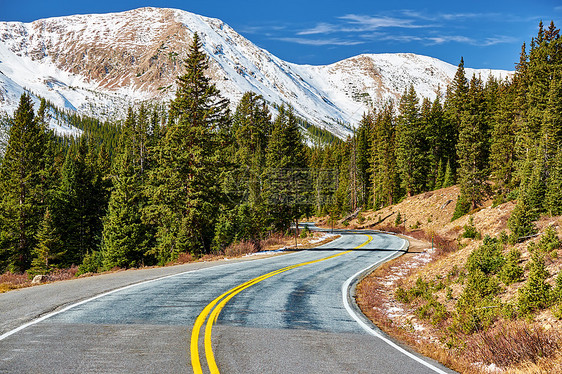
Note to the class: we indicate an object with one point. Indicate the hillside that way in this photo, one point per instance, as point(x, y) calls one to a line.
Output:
point(99, 64)
point(430, 322)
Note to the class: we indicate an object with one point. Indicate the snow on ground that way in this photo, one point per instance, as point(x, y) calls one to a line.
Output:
point(263, 253)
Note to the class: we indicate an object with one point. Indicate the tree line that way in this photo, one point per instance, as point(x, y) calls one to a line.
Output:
point(497, 139)
point(193, 179)
point(198, 177)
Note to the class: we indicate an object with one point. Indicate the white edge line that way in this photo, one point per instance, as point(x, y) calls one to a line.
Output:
point(52, 314)
point(67, 308)
point(345, 296)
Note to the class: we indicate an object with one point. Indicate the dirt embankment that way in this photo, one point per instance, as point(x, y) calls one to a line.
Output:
point(429, 329)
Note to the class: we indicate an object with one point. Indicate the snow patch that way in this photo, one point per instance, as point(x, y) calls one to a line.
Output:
point(333, 97)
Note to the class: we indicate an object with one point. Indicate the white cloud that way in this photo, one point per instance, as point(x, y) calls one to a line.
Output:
point(372, 23)
point(450, 38)
point(321, 28)
point(432, 29)
point(502, 39)
point(320, 42)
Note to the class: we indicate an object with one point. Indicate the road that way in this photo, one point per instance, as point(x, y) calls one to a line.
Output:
point(283, 314)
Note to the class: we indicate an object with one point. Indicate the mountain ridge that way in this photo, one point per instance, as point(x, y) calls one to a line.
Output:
point(98, 64)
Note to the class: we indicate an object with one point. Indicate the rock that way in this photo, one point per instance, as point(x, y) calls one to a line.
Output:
point(39, 279)
point(446, 203)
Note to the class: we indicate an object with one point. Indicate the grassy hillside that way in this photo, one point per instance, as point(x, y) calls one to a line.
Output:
point(476, 301)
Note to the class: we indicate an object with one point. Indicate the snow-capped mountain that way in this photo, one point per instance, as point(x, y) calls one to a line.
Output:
point(100, 64)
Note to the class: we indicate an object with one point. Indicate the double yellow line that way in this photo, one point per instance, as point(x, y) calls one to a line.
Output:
point(214, 308)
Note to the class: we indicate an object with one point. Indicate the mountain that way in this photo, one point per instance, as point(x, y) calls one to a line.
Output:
point(100, 64)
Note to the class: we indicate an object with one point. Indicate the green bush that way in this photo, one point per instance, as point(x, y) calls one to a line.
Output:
point(536, 294)
point(503, 238)
point(521, 222)
point(476, 314)
point(470, 230)
point(557, 291)
point(480, 285)
point(449, 294)
point(462, 208)
point(421, 289)
point(511, 272)
point(557, 311)
point(478, 306)
point(92, 263)
point(402, 295)
point(360, 219)
point(549, 242)
point(398, 220)
point(487, 258)
point(433, 311)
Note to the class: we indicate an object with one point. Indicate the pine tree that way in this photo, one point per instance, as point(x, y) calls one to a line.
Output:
point(286, 180)
point(440, 177)
point(521, 221)
point(65, 212)
point(384, 168)
point(183, 189)
point(411, 150)
point(440, 139)
point(49, 247)
point(472, 147)
point(251, 126)
point(126, 238)
point(456, 97)
point(449, 178)
point(92, 197)
point(536, 293)
point(553, 198)
point(21, 207)
point(551, 126)
point(503, 151)
point(362, 145)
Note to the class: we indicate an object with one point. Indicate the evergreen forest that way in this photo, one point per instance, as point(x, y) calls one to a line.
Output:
point(196, 177)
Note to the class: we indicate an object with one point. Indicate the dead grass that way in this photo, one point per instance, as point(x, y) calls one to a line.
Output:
point(241, 249)
point(375, 297)
point(513, 344)
point(429, 215)
point(10, 281)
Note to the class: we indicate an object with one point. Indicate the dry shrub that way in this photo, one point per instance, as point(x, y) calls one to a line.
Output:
point(241, 248)
point(395, 229)
point(10, 281)
point(14, 279)
point(510, 344)
point(184, 258)
point(441, 244)
point(63, 274)
point(274, 239)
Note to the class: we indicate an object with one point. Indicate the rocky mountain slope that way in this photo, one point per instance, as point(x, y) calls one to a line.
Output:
point(99, 64)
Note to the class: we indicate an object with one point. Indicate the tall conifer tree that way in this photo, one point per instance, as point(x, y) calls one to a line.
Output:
point(286, 182)
point(183, 186)
point(126, 238)
point(411, 145)
point(21, 204)
point(472, 147)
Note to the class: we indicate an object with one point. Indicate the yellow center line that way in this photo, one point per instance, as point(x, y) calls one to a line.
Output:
point(219, 303)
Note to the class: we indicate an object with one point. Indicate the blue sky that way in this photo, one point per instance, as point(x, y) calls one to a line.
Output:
point(488, 34)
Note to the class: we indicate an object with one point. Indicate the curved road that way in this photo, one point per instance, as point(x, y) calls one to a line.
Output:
point(287, 316)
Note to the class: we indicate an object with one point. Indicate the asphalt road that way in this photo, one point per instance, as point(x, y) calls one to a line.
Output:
point(290, 321)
